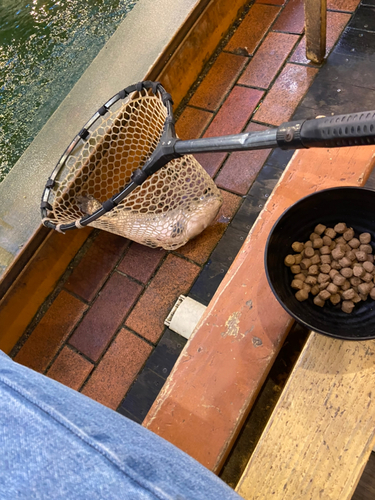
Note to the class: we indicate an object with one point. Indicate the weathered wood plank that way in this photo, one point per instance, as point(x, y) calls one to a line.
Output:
point(315, 29)
point(36, 281)
point(214, 383)
point(320, 435)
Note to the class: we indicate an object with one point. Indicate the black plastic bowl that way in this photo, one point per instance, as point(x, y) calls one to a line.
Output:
point(355, 207)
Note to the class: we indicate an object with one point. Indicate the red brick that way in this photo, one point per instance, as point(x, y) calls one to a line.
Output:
point(218, 81)
point(70, 368)
point(175, 277)
point(51, 332)
point(252, 29)
point(241, 168)
point(345, 5)
point(92, 271)
point(235, 112)
point(200, 248)
point(336, 22)
point(105, 316)
point(268, 60)
point(285, 94)
point(211, 162)
point(140, 262)
point(292, 18)
point(192, 122)
point(118, 369)
point(231, 119)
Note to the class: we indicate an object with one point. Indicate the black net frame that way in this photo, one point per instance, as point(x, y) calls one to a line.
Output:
point(121, 174)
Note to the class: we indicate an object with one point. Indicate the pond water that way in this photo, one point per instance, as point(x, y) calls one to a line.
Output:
point(45, 46)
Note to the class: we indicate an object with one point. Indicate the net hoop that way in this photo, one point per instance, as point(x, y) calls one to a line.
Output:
point(101, 180)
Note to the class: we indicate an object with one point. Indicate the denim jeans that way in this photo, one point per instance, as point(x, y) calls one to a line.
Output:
point(56, 443)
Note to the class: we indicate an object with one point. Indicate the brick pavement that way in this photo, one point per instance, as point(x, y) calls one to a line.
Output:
point(101, 331)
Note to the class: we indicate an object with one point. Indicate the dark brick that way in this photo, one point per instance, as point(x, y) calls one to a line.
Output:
point(229, 246)
point(247, 214)
point(92, 271)
point(142, 394)
point(364, 18)
point(140, 262)
point(105, 316)
point(206, 285)
point(128, 415)
point(166, 353)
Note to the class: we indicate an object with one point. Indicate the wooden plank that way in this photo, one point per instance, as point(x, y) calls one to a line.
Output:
point(36, 281)
point(234, 345)
point(320, 435)
point(315, 29)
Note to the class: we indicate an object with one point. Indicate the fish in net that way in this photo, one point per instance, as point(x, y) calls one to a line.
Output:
point(171, 206)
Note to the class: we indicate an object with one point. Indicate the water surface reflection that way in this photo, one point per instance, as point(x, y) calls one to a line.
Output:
point(45, 46)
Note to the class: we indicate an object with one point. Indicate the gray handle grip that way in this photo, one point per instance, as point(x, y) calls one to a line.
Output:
point(353, 129)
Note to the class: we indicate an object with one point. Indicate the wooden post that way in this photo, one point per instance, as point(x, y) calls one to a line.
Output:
point(315, 28)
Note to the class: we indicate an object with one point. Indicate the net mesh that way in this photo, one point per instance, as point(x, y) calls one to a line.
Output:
point(172, 206)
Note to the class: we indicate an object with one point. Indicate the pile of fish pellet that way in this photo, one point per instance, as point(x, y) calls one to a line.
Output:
point(334, 265)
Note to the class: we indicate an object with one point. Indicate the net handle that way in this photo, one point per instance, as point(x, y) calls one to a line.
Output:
point(355, 129)
point(327, 132)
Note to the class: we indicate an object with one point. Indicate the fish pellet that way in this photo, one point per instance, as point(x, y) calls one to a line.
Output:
point(361, 256)
point(365, 238)
point(365, 248)
point(295, 269)
point(319, 229)
point(309, 252)
point(338, 253)
point(354, 243)
point(330, 232)
point(334, 265)
point(335, 298)
point(347, 272)
point(289, 260)
point(347, 306)
point(302, 295)
point(340, 228)
point(348, 235)
point(318, 301)
point(298, 247)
